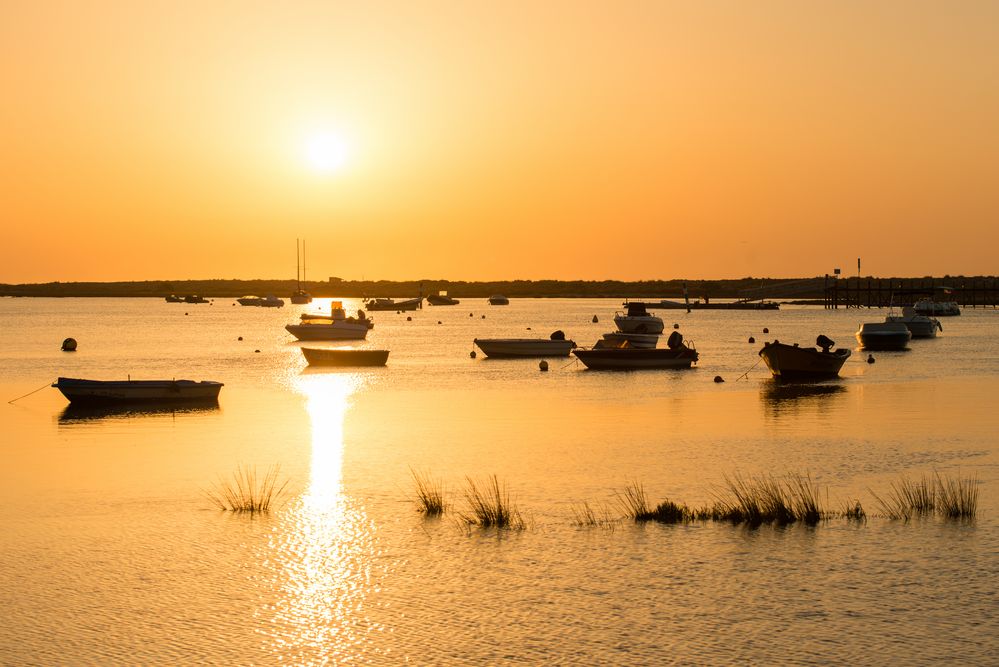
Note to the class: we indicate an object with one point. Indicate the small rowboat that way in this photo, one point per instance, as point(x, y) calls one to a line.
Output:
point(115, 392)
point(524, 347)
point(323, 357)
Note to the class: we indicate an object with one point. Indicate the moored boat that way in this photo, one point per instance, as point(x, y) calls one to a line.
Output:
point(920, 326)
point(391, 304)
point(637, 340)
point(113, 392)
point(498, 300)
point(932, 308)
point(324, 357)
point(524, 347)
point(677, 354)
point(791, 362)
point(638, 320)
point(300, 296)
point(194, 298)
point(269, 301)
point(173, 298)
point(442, 299)
point(883, 336)
point(337, 326)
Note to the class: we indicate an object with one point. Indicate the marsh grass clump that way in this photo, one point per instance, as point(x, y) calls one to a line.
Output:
point(430, 494)
point(907, 498)
point(489, 506)
point(669, 511)
point(246, 491)
point(854, 512)
point(634, 502)
point(584, 516)
point(804, 496)
point(957, 498)
point(768, 499)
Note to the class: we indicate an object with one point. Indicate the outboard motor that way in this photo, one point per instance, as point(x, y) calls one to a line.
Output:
point(675, 340)
point(824, 342)
point(558, 335)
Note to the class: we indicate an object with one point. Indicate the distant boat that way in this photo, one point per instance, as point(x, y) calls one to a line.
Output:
point(791, 362)
point(390, 304)
point(883, 336)
point(442, 299)
point(324, 357)
point(605, 357)
point(300, 295)
point(335, 327)
point(173, 298)
point(498, 300)
point(194, 298)
point(920, 326)
point(114, 392)
point(638, 320)
point(269, 301)
point(932, 308)
point(525, 347)
point(706, 304)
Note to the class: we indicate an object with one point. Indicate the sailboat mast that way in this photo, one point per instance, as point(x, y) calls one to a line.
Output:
point(298, 267)
point(303, 260)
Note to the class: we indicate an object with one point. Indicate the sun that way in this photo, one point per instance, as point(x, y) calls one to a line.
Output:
point(326, 152)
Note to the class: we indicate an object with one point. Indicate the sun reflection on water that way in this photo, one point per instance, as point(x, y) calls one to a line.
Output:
point(323, 548)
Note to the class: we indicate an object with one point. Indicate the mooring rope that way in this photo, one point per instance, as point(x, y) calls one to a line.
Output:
point(47, 384)
point(746, 374)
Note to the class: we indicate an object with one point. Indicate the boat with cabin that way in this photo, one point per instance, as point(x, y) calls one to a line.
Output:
point(391, 304)
point(498, 300)
point(442, 299)
point(337, 326)
point(883, 336)
point(920, 326)
point(792, 362)
point(269, 301)
point(117, 392)
point(638, 340)
point(933, 308)
point(636, 319)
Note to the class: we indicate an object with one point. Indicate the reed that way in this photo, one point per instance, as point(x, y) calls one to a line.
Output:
point(634, 502)
point(490, 506)
point(766, 499)
point(957, 498)
point(583, 515)
point(431, 494)
point(854, 512)
point(246, 491)
point(669, 511)
point(907, 498)
point(804, 496)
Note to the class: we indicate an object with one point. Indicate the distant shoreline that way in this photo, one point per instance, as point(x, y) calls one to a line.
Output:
point(798, 289)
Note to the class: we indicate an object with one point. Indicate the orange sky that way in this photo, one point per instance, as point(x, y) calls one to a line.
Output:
point(637, 140)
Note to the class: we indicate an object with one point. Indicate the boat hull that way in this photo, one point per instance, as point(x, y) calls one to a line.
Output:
point(919, 326)
point(118, 392)
point(442, 301)
point(338, 331)
point(636, 340)
point(389, 305)
point(636, 359)
point(790, 362)
point(344, 358)
point(884, 336)
point(524, 347)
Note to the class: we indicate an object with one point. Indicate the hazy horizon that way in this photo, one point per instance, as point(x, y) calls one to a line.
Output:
point(558, 140)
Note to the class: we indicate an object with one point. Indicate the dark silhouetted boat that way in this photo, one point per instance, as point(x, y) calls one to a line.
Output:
point(391, 304)
point(884, 336)
point(498, 300)
point(117, 392)
point(603, 356)
point(442, 299)
point(791, 362)
point(325, 357)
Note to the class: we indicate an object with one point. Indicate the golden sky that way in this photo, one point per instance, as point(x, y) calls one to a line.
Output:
point(487, 141)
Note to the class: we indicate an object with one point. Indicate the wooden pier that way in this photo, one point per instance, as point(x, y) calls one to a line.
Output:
point(872, 292)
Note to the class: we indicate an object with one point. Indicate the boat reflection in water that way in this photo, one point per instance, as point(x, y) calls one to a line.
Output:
point(778, 391)
point(321, 556)
point(75, 412)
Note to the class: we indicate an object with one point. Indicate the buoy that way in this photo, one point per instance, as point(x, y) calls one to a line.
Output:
point(240, 338)
point(483, 317)
point(543, 366)
point(595, 320)
point(69, 345)
point(752, 340)
point(676, 326)
point(438, 321)
point(256, 351)
point(470, 315)
point(409, 319)
point(766, 330)
point(185, 314)
point(472, 354)
point(870, 358)
point(719, 378)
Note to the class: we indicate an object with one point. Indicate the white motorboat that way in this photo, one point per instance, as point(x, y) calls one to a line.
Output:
point(883, 336)
point(525, 347)
point(639, 341)
point(335, 327)
point(791, 362)
point(115, 392)
point(920, 326)
point(932, 308)
point(269, 301)
point(638, 320)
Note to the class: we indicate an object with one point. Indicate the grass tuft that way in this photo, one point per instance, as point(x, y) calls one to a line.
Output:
point(634, 502)
point(490, 506)
point(855, 512)
point(430, 494)
point(248, 492)
point(957, 498)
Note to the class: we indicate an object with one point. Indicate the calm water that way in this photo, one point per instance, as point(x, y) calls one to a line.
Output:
point(112, 554)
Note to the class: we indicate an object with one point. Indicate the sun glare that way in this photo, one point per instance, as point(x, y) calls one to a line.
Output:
point(326, 152)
